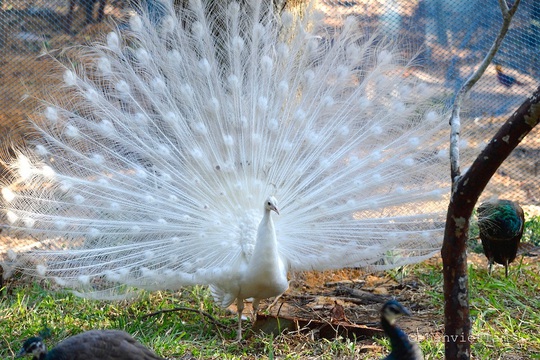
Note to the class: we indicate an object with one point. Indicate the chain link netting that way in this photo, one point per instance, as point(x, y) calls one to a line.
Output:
point(452, 38)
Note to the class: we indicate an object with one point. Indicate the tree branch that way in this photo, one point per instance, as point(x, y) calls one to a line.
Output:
point(466, 192)
point(455, 121)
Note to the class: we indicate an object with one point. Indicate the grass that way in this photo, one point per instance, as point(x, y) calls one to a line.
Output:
point(505, 313)
point(505, 317)
point(531, 232)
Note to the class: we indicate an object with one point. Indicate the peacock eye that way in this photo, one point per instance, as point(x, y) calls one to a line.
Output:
point(269, 203)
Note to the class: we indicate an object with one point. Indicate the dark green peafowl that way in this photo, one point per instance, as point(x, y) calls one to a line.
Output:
point(402, 347)
point(500, 223)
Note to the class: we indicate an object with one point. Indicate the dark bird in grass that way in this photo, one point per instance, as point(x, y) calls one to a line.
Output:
point(402, 347)
point(500, 223)
point(90, 345)
point(506, 79)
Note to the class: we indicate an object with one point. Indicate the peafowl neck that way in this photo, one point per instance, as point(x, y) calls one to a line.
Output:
point(266, 248)
point(399, 341)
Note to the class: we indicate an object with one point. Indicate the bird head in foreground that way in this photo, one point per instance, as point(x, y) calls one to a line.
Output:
point(402, 347)
point(392, 310)
point(33, 346)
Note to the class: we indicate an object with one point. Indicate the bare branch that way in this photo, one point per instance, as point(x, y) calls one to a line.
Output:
point(504, 7)
point(455, 121)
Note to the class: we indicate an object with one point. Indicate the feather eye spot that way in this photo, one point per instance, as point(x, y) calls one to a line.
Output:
point(51, 114)
point(205, 67)
point(71, 131)
point(29, 222)
point(78, 199)
point(97, 159)
point(174, 57)
point(233, 81)
point(70, 79)
point(168, 25)
point(300, 115)
point(41, 270)
point(431, 116)
point(143, 56)
point(283, 51)
point(60, 224)
point(228, 140)
point(113, 41)
point(8, 194)
point(104, 66)
point(197, 30)
point(12, 217)
point(136, 23)
point(149, 199)
point(159, 85)
point(262, 103)
point(283, 88)
point(238, 44)
point(48, 172)
point(94, 233)
point(41, 150)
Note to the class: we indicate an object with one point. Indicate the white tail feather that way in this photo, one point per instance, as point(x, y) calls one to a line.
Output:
point(153, 174)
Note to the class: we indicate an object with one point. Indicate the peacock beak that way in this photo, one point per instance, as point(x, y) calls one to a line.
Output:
point(21, 353)
point(406, 312)
point(275, 209)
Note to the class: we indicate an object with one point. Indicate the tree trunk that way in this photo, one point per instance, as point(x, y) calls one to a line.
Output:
point(467, 189)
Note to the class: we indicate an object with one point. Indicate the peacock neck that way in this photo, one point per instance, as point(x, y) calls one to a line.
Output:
point(266, 244)
point(399, 341)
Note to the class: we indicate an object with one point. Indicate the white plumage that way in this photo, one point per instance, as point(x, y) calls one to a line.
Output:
point(154, 172)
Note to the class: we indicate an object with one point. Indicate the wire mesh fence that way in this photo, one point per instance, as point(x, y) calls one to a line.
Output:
point(450, 39)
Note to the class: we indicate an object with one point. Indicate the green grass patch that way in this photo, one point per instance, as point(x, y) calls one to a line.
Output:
point(505, 318)
point(531, 231)
point(505, 312)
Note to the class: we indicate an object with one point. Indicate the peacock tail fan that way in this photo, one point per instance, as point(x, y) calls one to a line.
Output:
point(151, 173)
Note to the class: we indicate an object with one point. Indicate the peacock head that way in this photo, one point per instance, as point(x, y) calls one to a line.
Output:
point(392, 310)
point(33, 346)
point(271, 204)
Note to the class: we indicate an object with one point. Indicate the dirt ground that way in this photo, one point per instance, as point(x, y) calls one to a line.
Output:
point(352, 299)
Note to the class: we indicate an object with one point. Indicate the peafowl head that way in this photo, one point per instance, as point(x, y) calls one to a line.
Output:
point(271, 204)
point(392, 310)
point(33, 346)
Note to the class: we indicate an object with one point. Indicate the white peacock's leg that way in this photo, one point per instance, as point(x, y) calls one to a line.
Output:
point(240, 309)
point(255, 310)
